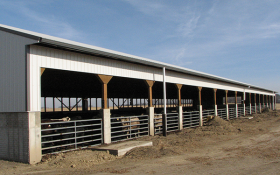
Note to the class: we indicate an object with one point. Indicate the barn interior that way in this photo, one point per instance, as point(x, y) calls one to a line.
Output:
point(70, 94)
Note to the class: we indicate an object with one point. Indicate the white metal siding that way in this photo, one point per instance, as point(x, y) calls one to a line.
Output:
point(66, 60)
point(13, 72)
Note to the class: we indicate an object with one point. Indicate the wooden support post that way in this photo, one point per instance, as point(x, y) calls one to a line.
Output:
point(106, 121)
point(179, 87)
point(255, 100)
point(263, 101)
point(104, 79)
point(150, 84)
point(260, 104)
point(42, 71)
point(200, 106)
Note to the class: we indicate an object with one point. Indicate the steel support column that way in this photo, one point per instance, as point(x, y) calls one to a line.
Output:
point(226, 102)
point(200, 106)
point(236, 105)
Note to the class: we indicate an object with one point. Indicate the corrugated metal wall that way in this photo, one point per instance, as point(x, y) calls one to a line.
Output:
point(65, 60)
point(13, 72)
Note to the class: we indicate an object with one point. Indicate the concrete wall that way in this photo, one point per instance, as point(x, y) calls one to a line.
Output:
point(20, 136)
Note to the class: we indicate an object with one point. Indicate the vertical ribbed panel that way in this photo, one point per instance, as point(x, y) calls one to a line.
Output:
point(65, 60)
point(13, 72)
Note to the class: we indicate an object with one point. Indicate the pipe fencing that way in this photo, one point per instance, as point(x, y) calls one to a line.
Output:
point(253, 109)
point(232, 113)
point(158, 124)
point(70, 135)
point(240, 111)
point(190, 119)
point(206, 113)
point(247, 110)
point(222, 113)
point(172, 122)
point(129, 127)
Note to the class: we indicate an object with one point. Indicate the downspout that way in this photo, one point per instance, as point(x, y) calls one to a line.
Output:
point(164, 116)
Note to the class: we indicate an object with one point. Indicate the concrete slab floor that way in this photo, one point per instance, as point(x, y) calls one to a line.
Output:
point(120, 149)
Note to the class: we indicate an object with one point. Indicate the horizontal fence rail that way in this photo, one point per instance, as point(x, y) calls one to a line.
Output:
point(158, 123)
point(172, 122)
point(222, 113)
point(232, 113)
point(129, 127)
point(247, 110)
point(70, 135)
point(206, 113)
point(240, 111)
point(190, 119)
point(253, 109)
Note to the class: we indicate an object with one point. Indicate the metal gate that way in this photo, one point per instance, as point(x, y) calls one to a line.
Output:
point(253, 109)
point(247, 110)
point(206, 113)
point(172, 122)
point(222, 113)
point(240, 111)
point(232, 113)
point(190, 119)
point(128, 127)
point(70, 135)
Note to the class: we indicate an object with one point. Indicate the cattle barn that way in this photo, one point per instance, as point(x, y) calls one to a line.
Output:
point(58, 95)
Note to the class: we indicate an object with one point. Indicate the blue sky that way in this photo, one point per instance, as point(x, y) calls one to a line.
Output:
point(235, 39)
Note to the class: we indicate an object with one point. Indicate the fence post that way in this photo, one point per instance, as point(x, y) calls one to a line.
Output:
point(151, 121)
point(75, 135)
point(180, 118)
point(130, 127)
point(200, 116)
point(236, 105)
point(106, 126)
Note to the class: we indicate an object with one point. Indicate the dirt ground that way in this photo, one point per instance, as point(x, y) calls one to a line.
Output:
point(240, 146)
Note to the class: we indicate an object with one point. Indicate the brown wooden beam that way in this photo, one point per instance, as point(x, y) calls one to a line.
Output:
point(199, 95)
point(179, 87)
point(42, 71)
point(235, 97)
point(226, 99)
point(215, 96)
point(104, 79)
point(250, 98)
point(150, 84)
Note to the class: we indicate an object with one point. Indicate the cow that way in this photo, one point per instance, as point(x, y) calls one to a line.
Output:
point(157, 122)
point(134, 124)
point(127, 124)
point(49, 129)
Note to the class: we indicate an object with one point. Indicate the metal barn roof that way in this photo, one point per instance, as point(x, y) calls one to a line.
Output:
point(86, 48)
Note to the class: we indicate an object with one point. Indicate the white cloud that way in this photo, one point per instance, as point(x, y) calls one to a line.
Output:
point(47, 23)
